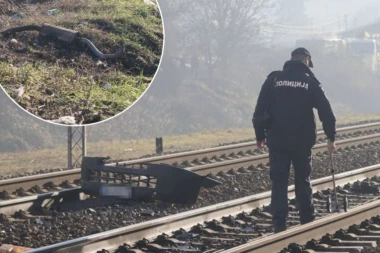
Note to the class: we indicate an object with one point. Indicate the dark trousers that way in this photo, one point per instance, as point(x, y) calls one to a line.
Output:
point(279, 173)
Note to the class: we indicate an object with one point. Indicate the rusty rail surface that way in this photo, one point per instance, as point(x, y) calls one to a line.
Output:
point(11, 185)
point(112, 239)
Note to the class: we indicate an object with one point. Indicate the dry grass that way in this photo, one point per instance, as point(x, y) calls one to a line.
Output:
point(11, 163)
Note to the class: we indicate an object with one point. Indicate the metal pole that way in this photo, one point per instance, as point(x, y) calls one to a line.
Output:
point(339, 24)
point(76, 146)
point(69, 149)
point(311, 24)
point(84, 141)
point(345, 22)
point(333, 176)
point(159, 145)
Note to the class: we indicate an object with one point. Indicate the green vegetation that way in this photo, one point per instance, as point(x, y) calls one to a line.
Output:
point(59, 79)
point(70, 90)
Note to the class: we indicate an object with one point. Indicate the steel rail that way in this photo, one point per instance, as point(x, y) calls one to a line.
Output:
point(257, 159)
point(9, 207)
point(316, 229)
point(150, 229)
point(11, 185)
point(236, 148)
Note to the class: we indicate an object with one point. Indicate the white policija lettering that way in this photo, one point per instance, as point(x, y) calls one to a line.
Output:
point(292, 84)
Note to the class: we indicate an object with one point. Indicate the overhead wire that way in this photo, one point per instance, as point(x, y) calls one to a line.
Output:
point(269, 29)
point(309, 27)
point(280, 28)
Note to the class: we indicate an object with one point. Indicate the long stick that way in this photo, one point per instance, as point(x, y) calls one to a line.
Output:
point(333, 176)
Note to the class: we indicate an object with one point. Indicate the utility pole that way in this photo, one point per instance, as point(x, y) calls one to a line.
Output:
point(312, 26)
point(355, 22)
point(76, 146)
point(339, 23)
point(345, 22)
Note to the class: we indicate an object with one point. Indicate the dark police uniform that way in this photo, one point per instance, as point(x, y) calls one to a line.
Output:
point(284, 117)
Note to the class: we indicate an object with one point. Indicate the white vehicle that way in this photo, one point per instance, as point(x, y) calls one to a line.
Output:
point(364, 49)
point(330, 46)
point(361, 49)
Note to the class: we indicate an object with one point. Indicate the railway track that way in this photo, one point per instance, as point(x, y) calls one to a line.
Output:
point(25, 214)
point(10, 206)
point(352, 232)
point(204, 161)
point(241, 225)
point(361, 236)
point(242, 165)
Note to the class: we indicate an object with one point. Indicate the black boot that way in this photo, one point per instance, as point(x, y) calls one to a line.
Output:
point(307, 220)
point(279, 229)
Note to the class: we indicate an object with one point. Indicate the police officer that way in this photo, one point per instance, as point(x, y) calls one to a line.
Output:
point(284, 121)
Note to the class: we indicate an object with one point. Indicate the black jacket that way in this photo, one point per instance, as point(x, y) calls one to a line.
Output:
point(288, 97)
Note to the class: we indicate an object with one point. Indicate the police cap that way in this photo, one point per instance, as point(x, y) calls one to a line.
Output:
point(303, 51)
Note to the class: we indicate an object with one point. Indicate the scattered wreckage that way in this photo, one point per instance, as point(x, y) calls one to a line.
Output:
point(158, 181)
point(103, 184)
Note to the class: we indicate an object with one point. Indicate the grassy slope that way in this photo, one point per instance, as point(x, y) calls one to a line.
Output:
point(61, 79)
point(11, 163)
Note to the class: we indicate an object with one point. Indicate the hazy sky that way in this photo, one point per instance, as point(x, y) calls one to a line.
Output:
point(325, 10)
point(323, 15)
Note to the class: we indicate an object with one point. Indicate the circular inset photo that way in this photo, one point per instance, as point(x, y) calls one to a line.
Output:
point(79, 62)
